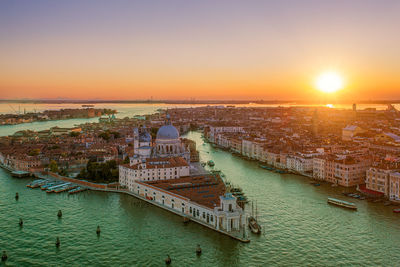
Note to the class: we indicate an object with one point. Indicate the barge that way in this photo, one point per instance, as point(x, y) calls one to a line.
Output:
point(342, 203)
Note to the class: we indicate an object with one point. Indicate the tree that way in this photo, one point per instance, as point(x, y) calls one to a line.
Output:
point(100, 172)
point(34, 152)
point(74, 134)
point(105, 135)
point(53, 166)
point(126, 160)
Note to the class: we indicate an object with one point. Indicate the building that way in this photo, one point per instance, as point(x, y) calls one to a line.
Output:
point(348, 171)
point(216, 129)
point(394, 186)
point(168, 143)
point(201, 198)
point(377, 179)
point(350, 131)
point(319, 168)
point(152, 169)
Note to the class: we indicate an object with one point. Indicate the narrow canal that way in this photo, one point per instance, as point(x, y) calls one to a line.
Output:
point(300, 228)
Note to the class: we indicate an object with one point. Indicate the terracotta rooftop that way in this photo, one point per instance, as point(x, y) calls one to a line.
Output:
point(204, 190)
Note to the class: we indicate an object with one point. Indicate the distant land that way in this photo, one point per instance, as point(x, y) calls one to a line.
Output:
point(99, 101)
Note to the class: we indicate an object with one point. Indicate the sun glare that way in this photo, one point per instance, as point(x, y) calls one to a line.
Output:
point(329, 82)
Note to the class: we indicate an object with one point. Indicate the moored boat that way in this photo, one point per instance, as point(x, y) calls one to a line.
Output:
point(254, 226)
point(342, 203)
point(55, 187)
point(396, 210)
point(36, 183)
point(47, 185)
point(77, 190)
point(211, 163)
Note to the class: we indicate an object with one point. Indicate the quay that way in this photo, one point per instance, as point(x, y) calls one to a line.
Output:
point(240, 235)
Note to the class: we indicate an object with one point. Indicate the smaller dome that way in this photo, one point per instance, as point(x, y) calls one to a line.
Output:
point(144, 137)
point(167, 132)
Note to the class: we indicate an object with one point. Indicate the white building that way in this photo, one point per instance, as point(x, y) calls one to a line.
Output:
point(219, 212)
point(377, 179)
point(299, 163)
point(253, 148)
point(152, 169)
point(394, 190)
point(319, 168)
point(214, 130)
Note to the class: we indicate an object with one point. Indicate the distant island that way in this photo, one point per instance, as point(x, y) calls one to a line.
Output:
point(90, 102)
point(62, 114)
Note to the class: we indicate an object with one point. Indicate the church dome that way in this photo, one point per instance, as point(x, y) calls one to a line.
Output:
point(144, 137)
point(167, 132)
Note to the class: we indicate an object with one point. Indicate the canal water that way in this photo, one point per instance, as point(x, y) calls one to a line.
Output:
point(300, 229)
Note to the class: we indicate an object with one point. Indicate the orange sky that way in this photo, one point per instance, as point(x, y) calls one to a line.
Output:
point(207, 51)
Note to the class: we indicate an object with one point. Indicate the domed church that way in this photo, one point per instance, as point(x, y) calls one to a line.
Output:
point(168, 143)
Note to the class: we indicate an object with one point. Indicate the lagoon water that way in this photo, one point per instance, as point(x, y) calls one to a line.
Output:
point(300, 228)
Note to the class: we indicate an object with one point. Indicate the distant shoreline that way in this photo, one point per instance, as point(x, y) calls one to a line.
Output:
point(193, 102)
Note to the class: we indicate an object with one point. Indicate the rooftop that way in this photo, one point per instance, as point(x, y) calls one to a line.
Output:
point(204, 190)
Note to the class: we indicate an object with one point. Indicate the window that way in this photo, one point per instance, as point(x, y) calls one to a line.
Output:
point(190, 209)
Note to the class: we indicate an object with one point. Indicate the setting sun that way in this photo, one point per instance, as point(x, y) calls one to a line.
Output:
point(329, 82)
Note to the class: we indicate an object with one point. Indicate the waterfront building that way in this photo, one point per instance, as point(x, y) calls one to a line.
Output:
point(202, 198)
point(378, 178)
point(319, 168)
point(394, 186)
point(300, 163)
point(253, 148)
point(236, 145)
point(349, 171)
point(214, 129)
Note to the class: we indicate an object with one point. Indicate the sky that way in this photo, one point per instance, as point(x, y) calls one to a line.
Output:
point(271, 50)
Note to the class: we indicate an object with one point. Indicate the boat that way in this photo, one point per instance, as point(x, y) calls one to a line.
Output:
point(252, 220)
point(20, 174)
point(342, 203)
point(254, 226)
point(64, 188)
point(36, 183)
point(53, 188)
point(211, 163)
point(47, 185)
point(266, 167)
point(396, 210)
point(77, 190)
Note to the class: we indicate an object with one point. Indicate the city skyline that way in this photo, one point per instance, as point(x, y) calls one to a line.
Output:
point(182, 50)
